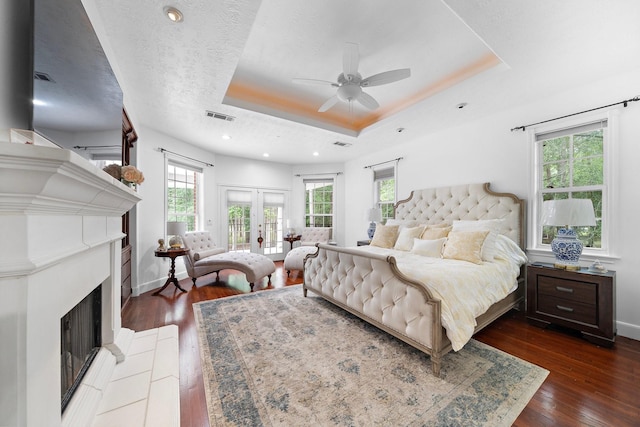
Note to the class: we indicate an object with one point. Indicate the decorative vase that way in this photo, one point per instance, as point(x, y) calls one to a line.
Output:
point(372, 230)
point(567, 249)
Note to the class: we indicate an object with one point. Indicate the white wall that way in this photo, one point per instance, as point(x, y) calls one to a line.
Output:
point(487, 151)
point(149, 216)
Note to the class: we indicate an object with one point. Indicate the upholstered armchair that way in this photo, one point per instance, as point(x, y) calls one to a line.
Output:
point(201, 246)
point(308, 239)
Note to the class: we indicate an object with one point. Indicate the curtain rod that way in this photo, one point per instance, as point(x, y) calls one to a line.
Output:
point(314, 174)
point(162, 150)
point(382, 163)
point(91, 147)
point(625, 102)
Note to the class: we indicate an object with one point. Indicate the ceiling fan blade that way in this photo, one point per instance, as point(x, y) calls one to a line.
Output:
point(315, 82)
point(386, 77)
point(367, 100)
point(350, 60)
point(328, 104)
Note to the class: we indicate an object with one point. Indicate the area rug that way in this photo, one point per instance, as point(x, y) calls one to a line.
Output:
point(276, 358)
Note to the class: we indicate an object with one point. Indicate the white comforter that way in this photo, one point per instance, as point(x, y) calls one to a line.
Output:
point(466, 290)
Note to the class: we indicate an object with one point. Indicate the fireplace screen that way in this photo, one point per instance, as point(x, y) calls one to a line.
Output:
point(80, 340)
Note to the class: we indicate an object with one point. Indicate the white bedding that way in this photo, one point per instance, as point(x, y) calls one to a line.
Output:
point(466, 290)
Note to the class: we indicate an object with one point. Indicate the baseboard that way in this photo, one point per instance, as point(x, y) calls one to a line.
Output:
point(628, 330)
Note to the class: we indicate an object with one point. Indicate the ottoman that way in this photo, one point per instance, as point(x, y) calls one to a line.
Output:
point(295, 258)
point(254, 266)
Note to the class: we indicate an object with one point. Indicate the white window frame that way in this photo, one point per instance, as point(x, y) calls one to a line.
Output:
point(333, 199)
point(609, 196)
point(199, 217)
point(382, 174)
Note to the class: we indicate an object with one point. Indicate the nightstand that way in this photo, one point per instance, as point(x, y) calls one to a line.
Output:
point(580, 300)
point(364, 242)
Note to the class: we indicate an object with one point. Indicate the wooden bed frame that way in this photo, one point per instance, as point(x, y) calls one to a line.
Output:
point(371, 287)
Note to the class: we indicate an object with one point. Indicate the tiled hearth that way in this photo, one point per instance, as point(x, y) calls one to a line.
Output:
point(61, 232)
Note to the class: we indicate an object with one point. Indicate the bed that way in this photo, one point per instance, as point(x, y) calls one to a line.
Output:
point(399, 291)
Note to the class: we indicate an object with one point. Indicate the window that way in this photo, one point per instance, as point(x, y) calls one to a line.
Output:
point(183, 188)
point(273, 210)
point(318, 203)
point(571, 164)
point(384, 184)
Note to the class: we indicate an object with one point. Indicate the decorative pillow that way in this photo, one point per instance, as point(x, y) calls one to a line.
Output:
point(207, 252)
point(385, 236)
point(406, 236)
point(465, 246)
point(430, 248)
point(401, 222)
point(489, 250)
point(432, 233)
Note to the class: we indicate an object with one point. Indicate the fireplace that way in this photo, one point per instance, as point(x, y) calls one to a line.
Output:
point(62, 218)
point(80, 341)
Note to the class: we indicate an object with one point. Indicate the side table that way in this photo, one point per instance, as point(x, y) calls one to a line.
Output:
point(292, 239)
point(173, 254)
point(364, 242)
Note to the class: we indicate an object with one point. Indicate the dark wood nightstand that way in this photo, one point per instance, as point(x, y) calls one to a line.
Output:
point(580, 300)
point(364, 242)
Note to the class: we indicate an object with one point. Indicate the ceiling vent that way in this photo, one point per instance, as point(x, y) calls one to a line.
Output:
point(342, 144)
point(219, 116)
point(37, 75)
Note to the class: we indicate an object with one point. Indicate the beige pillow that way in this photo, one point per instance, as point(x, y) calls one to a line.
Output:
point(430, 248)
point(385, 236)
point(489, 250)
point(465, 246)
point(432, 233)
point(406, 236)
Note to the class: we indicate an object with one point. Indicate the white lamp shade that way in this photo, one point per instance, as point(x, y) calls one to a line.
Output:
point(374, 214)
point(176, 228)
point(571, 212)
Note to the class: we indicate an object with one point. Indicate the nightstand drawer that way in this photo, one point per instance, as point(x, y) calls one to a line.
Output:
point(569, 310)
point(567, 289)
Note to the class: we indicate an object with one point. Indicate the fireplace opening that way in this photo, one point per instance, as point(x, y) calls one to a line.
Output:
point(80, 340)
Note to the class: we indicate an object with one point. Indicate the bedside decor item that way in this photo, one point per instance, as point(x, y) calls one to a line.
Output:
point(176, 230)
point(567, 212)
point(373, 215)
point(128, 175)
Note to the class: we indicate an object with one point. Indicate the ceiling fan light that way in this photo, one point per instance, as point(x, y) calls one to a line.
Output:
point(348, 92)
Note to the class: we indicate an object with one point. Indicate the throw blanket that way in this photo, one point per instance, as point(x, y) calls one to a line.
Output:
point(466, 290)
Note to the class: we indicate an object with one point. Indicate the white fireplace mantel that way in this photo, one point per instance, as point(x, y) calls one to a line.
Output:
point(61, 230)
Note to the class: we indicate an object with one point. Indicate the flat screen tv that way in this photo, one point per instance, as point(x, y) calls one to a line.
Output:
point(77, 99)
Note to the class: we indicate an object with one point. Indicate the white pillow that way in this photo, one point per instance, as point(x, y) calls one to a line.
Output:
point(430, 248)
point(406, 236)
point(494, 226)
point(508, 250)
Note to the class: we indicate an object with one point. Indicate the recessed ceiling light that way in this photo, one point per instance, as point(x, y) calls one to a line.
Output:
point(173, 14)
point(265, 154)
point(38, 102)
point(461, 105)
point(225, 136)
point(315, 153)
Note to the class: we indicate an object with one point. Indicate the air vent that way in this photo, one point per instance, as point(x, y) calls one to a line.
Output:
point(342, 144)
point(219, 116)
point(37, 75)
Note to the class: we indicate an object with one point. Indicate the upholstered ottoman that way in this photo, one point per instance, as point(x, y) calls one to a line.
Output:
point(295, 258)
point(254, 266)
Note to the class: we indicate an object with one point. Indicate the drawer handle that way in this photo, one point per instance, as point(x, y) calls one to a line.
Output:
point(563, 289)
point(563, 308)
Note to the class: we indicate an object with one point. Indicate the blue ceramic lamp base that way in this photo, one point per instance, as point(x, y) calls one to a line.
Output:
point(567, 249)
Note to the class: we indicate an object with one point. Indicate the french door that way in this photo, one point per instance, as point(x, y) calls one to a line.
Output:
point(254, 220)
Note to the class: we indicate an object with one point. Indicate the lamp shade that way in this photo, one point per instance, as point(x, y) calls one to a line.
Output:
point(374, 214)
point(568, 212)
point(176, 228)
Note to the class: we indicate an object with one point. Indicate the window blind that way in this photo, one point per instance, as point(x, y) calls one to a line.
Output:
point(571, 130)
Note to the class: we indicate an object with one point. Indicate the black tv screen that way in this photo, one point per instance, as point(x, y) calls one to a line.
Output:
point(77, 99)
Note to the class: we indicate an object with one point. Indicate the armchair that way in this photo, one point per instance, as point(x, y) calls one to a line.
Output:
point(309, 237)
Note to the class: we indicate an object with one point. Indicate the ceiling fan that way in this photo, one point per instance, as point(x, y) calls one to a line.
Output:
point(350, 82)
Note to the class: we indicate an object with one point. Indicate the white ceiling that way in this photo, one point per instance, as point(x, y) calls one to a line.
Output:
point(239, 58)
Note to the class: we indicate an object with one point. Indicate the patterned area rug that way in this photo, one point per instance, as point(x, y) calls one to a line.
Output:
point(275, 358)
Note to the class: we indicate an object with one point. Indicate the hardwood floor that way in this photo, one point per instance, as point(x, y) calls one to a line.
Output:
point(587, 384)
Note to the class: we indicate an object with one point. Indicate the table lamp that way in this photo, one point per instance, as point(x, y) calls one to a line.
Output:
point(567, 212)
point(176, 229)
point(373, 215)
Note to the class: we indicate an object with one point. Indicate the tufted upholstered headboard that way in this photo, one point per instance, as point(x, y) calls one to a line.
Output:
point(465, 202)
